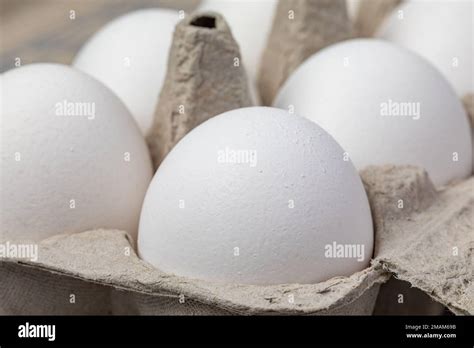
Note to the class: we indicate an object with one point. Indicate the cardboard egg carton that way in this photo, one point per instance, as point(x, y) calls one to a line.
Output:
point(422, 236)
point(205, 77)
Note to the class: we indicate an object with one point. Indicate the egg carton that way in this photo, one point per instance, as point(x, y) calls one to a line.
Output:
point(427, 241)
point(205, 77)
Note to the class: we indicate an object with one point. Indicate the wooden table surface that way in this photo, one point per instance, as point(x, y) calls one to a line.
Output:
point(42, 30)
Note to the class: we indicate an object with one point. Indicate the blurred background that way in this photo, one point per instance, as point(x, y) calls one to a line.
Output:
point(48, 31)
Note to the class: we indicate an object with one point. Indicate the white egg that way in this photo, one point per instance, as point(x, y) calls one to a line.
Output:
point(129, 55)
point(383, 104)
point(257, 196)
point(440, 31)
point(72, 157)
point(250, 22)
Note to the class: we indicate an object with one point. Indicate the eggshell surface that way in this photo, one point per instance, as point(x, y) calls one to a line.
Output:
point(130, 55)
point(440, 31)
point(72, 157)
point(384, 105)
point(255, 196)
